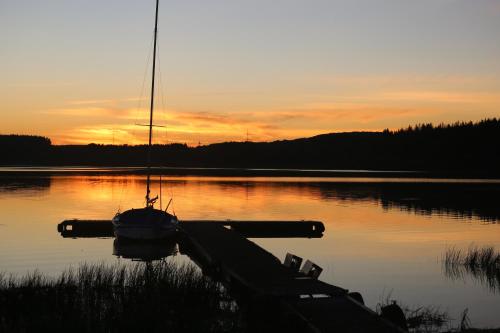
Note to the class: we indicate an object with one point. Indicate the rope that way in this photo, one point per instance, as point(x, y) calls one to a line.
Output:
point(164, 109)
point(137, 109)
point(139, 102)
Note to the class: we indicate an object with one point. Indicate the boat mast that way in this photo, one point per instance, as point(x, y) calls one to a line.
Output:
point(150, 202)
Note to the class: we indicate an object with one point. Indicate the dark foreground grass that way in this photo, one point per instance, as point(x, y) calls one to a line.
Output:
point(116, 298)
point(483, 264)
point(147, 297)
point(420, 319)
point(432, 319)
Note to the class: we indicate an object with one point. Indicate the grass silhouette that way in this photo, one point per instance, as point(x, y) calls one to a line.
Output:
point(115, 298)
point(483, 264)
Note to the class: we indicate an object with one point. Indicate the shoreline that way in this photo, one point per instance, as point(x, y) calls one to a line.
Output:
point(243, 172)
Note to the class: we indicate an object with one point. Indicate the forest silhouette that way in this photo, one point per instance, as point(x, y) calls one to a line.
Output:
point(462, 148)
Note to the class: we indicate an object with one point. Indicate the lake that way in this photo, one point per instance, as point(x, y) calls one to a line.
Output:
point(385, 237)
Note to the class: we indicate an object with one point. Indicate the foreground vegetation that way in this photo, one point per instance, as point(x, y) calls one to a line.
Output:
point(431, 319)
point(117, 298)
point(483, 264)
point(163, 296)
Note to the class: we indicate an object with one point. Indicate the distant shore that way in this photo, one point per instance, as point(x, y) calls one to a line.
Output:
point(460, 150)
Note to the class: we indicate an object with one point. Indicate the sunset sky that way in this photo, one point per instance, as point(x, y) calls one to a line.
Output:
point(78, 71)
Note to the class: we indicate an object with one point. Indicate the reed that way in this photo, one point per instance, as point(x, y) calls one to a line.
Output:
point(420, 319)
point(432, 319)
point(148, 297)
point(483, 264)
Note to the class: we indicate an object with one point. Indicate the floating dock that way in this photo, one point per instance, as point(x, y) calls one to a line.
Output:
point(221, 249)
point(76, 228)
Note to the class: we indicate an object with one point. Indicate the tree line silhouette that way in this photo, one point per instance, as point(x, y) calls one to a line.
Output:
point(461, 148)
point(24, 149)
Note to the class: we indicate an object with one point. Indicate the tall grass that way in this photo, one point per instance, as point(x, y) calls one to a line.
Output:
point(483, 264)
point(432, 319)
point(420, 319)
point(145, 297)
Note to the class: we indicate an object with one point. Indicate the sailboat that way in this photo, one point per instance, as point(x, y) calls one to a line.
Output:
point(147, 223)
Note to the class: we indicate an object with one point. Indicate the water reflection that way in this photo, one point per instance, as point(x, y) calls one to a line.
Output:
point(463, 200)
point(489, 278)
point(381, 234)
point(11, 185)
point(480, 264)
point(454, 198)
point(144, 250)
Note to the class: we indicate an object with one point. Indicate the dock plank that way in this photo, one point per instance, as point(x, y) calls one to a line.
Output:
point(251, 264)
point(341, 314)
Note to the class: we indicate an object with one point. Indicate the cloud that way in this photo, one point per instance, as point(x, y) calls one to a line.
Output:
point(81, 112)
point(123, 108)
point(208, 118)
point(413, 80)
point(104, 113)
point(442, 97)
point(208, 127)
point(40, 84)
point(332, 113)
point(107, 121)
point(87, 102)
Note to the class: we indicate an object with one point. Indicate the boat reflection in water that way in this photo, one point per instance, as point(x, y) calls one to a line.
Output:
point(139, 250)
point(144, 250)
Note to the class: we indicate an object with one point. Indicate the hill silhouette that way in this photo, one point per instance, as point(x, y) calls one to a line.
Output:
point(459, 148)
point(24, 149)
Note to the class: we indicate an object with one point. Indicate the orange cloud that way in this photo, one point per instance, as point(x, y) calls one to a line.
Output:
point(414, 80)
point(86, 102)
point(192, 127)
point(112, 121)
point(81, 112)
point(442, 97)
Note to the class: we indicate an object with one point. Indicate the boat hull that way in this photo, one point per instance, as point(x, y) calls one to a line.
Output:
point(144, 224)
point(144, 233)
point(140, 250)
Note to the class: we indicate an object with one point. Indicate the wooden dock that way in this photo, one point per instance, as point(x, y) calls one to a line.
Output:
point(244, 266)
point(221, 249)
point(76, 228)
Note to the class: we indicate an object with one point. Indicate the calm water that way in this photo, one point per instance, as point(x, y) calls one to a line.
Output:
point(383, 236)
